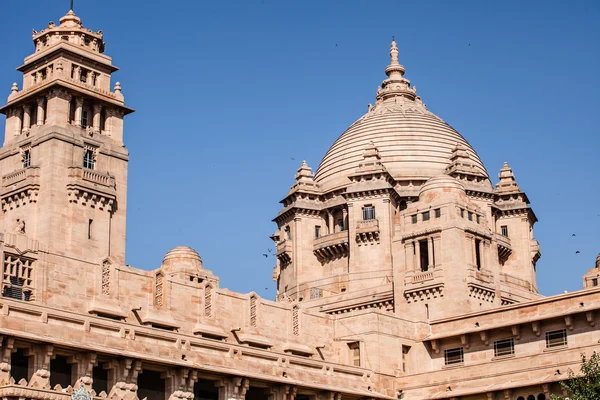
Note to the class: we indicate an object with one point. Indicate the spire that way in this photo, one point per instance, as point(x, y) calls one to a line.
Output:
point(395, 85)
point(71, 6)
point(507, 182)
point(304, 174)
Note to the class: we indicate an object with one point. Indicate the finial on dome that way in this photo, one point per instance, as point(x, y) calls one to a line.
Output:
point(394, 53)
point(507, 183)
point(14, 88)
point(71, 6)
point(304, 173)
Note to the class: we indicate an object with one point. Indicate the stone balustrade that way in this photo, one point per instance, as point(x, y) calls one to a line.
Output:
point(20, 175)
point(367, 231)
point(423, 276)
point(92, 176)
point(331, 246)
point(504, 247)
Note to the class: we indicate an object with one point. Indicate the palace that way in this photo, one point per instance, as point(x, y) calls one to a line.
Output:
point(402, 271)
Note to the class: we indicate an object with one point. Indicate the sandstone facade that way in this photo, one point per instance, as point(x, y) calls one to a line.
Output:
point(402, 272)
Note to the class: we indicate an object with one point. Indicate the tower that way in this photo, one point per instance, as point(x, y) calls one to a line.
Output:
point(63, 162)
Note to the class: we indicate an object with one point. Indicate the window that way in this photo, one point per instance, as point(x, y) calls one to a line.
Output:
point(478, 253)
point(504, 347)
point(60, 372)
point(438, 212)
point(83, 75)
point(504, 230)
point(88, 159)
point(414, 218)
point(26, 158)
point(462, 213)
point(340, 224)
point(454, 356)
point(354, 353)
point(90, 228)
point(368, 213)
point(288, 233)
point(470, 216)
point(405, 350)
point(426, 216)
point(100, 376)
point(17, 278)
point(594, 281)
point(556, 338)
point(84, 119)
point(403, 205)
point(317, 232)
point(477, 217)
point(424, 255)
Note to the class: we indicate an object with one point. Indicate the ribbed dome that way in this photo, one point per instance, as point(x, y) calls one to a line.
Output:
point(182, 256)
point(412, 141)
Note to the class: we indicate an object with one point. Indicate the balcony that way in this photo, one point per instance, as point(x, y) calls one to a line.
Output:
point(331, 246)
point(504, 247)
point(20, 187)
point(367, 231)
point(535, 250)
point(517, 282)
point(285, 251)
point(89, 187)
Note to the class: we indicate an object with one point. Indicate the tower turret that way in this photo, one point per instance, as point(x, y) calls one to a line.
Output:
point(63, 164)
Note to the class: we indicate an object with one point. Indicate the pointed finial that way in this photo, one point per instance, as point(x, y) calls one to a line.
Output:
point(71, 6)
point(14, 88)
point(394, 53)
point(117, 88)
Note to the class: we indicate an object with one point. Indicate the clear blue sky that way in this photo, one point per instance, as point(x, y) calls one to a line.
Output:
point(227, 93)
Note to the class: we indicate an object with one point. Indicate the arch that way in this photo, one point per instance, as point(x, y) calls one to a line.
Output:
point(531, 397)
point(520, 398)
point(541, 396)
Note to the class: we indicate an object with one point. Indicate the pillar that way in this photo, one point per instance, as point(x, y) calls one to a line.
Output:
point(78, 110)
point(40, 111)
point(26, 118)
point(96, 120)
point(473, 255)
point(18, 121)
point(234, 388)
point(430, 252)
point(344, 217)
point(78, 74)
point(330, 223)
point(417, 256)
point(7, 345)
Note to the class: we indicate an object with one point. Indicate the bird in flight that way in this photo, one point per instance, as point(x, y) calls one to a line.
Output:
point(577, 252)
point(573, 235)
point(265, 255)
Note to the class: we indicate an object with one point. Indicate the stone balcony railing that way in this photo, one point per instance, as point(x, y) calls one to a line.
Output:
point(90, 175)
point(334, 245)
point(419, 277)
point(504, 247)
point(481, 275)
point(535, 250)
point(514, 281)
point(284, 253)
point(20, 175)
point(56, 77)
point(367, 231)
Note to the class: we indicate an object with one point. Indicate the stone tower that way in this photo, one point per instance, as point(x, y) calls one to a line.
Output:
point(63, 163)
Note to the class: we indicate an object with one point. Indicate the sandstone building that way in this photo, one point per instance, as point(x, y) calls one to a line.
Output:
point(402, 271)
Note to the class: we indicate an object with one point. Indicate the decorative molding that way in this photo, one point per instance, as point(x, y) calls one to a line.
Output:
point(481, 293)
point(424, 293)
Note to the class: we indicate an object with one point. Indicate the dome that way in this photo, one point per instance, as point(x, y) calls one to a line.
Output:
point(413, 142)
point(182, 257)
point(441, 182)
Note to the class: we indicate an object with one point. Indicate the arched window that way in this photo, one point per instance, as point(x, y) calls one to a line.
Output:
point(541, 396)
point(403, 205)
point(520, 398)
point(531, 397)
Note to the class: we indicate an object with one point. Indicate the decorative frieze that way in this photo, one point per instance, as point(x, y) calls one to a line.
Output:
point(481, 293)
point(425, 293)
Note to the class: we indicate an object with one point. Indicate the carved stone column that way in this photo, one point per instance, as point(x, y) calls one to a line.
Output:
point(7, 346)
point(430, 253)
point(26, 118)
point(42, 354)
point(16, 113)
point(329, 396)
point(345, 223)
point(78, 111)
point(96, 120)
point(124, 374)
point(283, 392)
point(40, 111)
point(180, 383)
point(234, 388)
point(330, 223)
point(418, 266)
point(85, 363)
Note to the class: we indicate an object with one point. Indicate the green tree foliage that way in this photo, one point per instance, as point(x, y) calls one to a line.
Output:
point(586, 384)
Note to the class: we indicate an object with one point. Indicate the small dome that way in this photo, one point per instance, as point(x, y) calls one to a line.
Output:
point(183, 257)
point(442, 182)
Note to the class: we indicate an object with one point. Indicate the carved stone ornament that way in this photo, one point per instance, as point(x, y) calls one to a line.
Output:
point(81, 394)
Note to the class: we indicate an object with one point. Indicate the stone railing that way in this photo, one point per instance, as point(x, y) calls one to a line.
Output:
point(331, 246)
point(483, 275)
point(368, 225)
point(504, 247)
point(20, 175)
point(92, 176)
point(284, 252)
point(422, 276)
point(513, 280)
point(56, 77)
